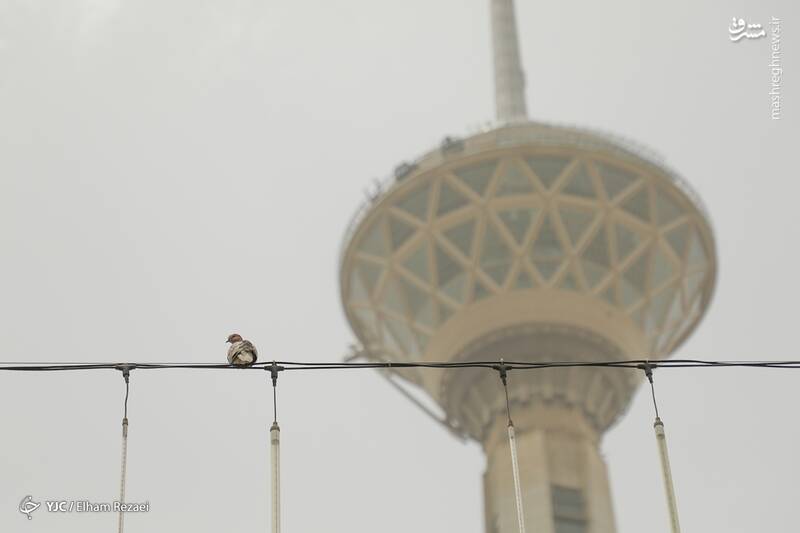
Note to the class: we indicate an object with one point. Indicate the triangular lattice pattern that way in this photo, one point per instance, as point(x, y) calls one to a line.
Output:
point(522, 223)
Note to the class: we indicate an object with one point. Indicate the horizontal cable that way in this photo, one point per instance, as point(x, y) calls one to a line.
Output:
point(294, 365)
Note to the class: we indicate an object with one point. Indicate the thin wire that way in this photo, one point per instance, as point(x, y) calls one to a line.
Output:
point(292, 365)
point(124, 462)
point(508, 404)
point(661, 442)
point(653, 392)
point(649, 373)
point(275, 447)
point(127, 392)
point(512, 444)
point(274, 404)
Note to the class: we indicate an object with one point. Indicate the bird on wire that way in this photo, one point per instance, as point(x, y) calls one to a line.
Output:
point(241, 352)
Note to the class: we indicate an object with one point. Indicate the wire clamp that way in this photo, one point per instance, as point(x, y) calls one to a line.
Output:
point(647, 367)
point(503, 369)
point(125, 368)
point(274, 368)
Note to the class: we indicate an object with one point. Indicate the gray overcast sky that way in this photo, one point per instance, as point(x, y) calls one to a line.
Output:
point(172, 171)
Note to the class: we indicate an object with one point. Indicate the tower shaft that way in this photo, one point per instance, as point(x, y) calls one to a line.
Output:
point(559, 414)
point(564, 480)
point(509, 80)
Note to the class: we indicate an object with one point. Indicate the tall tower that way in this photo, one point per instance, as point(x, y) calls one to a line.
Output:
point(530, 242)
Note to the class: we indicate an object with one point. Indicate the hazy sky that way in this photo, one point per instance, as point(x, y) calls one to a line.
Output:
point(173, 171)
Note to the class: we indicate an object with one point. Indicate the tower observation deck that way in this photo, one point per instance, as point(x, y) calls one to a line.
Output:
point(530, 242)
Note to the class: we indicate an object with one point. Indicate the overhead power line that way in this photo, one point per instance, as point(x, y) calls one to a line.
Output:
point(500, 365)
point(494, 365)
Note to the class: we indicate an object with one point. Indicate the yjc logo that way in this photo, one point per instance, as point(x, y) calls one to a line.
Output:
point(27, 506)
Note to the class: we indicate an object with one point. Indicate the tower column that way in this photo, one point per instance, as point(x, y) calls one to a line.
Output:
point(509, 79)
point(559, 414)
point(564, 479)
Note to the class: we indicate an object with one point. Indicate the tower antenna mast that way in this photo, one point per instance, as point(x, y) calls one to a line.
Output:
point(509, 79)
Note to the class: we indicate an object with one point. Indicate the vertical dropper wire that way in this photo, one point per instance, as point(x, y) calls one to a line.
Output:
point(512, 443)
point(275, 402)
point(124, 462)
point(275, 438)
point(661, 440)
point(649, 373)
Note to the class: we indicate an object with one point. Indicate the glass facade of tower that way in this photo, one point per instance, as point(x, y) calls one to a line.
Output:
point(525, 221)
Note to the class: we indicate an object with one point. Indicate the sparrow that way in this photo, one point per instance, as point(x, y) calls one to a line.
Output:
point(241, 352)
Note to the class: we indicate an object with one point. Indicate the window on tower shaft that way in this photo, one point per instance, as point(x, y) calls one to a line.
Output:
point(569, 510)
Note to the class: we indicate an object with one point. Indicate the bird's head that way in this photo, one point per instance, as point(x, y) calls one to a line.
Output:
point(234, 337)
